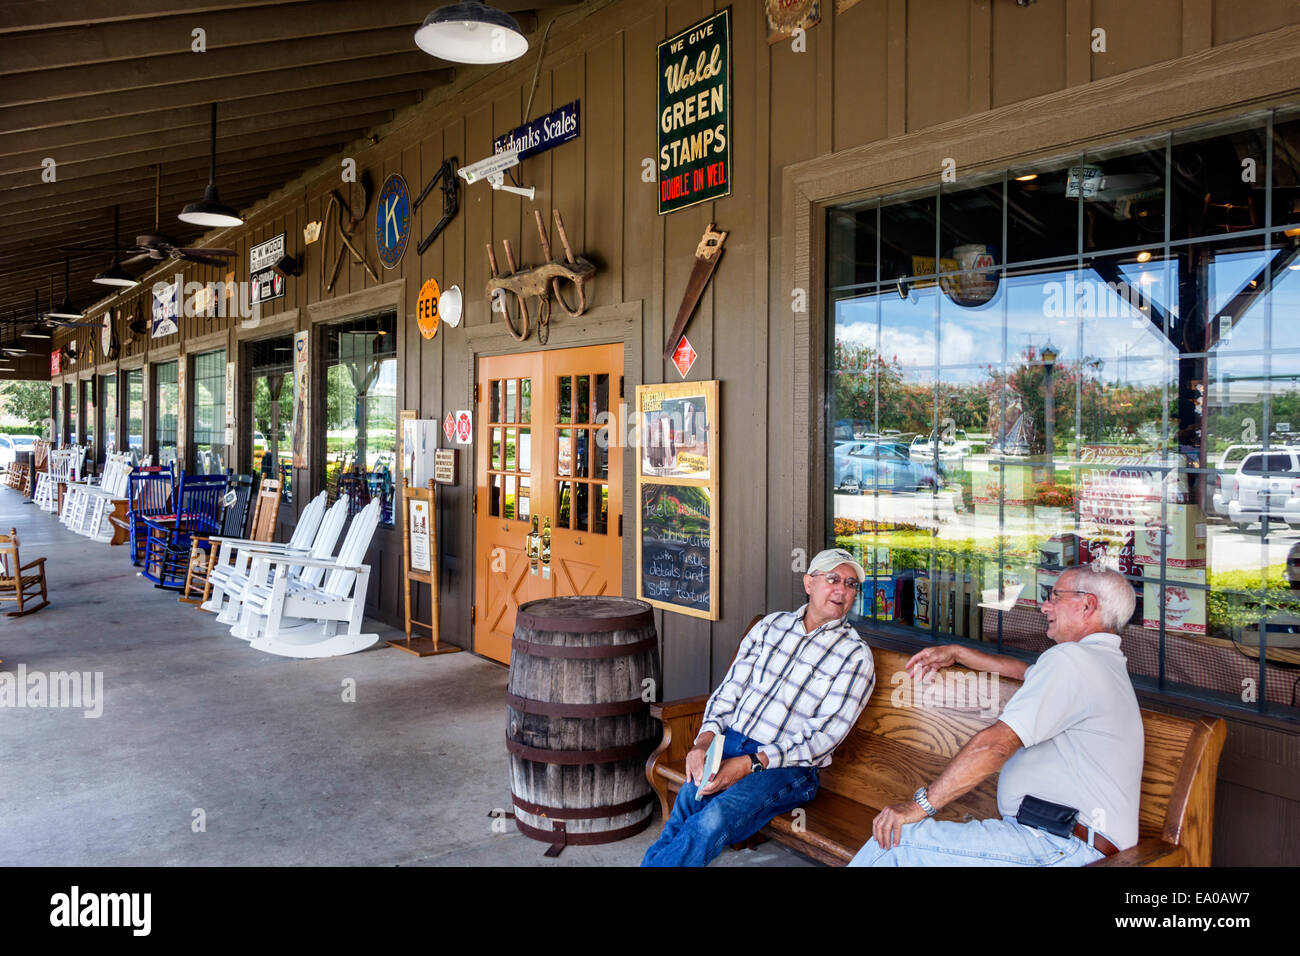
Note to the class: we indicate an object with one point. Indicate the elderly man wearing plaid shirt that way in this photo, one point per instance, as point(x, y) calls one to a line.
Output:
point(798, 683)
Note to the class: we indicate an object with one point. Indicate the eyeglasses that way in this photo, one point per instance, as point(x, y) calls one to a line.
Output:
point(1055, 594)
point(832, 579)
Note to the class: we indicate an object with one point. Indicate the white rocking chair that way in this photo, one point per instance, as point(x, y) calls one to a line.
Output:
point(270, 612)
point(315, 533)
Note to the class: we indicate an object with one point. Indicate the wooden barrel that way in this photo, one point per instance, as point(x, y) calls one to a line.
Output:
point(578, 724)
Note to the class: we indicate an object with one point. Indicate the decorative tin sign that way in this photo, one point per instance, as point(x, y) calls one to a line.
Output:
point(786, 16)
point(267, 284)
point(166, 307)
point(56, 362)
point(426, 309)
point(695, 114)
point(545, 132)
point(393, 221)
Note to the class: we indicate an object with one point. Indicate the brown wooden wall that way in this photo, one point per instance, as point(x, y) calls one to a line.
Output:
point(879, 70)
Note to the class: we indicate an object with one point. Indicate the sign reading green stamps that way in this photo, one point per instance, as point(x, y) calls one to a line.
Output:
point(695, 114)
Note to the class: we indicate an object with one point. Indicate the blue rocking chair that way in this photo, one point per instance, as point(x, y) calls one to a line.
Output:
point(198, 512)
point(149, 492)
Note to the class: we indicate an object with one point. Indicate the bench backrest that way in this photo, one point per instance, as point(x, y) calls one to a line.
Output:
point(234, 516)
point(150, 491)
point(198, 502)
point(304, 532)
point(907, 734)
point(353, 551)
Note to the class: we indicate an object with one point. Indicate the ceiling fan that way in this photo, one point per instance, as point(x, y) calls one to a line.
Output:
point(65, 314)
point(160, 248)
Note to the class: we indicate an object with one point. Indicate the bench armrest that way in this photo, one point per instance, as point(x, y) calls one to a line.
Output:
point(297, 561)
point(681, 720)
point(1148, 852)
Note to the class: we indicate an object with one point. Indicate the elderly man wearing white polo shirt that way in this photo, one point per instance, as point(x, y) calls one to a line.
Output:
point(1069, 744)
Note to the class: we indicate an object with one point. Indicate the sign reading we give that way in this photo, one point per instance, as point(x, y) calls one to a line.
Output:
point(695, 114)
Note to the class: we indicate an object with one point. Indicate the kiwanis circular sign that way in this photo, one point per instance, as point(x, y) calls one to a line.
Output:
point(393, 221)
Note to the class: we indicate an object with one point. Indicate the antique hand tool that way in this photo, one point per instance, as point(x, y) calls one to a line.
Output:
point(450, 200)
point(343, 227)
point(539, 282)
point(707, 254)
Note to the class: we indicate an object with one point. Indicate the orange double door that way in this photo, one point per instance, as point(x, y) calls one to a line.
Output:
point(549, 480)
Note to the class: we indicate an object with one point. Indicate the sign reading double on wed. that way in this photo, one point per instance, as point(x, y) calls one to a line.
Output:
point(695, 114)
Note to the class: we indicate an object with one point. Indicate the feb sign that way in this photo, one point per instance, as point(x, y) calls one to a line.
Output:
point(426, 309)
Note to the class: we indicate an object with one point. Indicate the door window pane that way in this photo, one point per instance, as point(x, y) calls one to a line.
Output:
point(360, 359)
point(270, 376)
point(166, 397)
point(109, 404)
point(135, 411)
point(209, 393)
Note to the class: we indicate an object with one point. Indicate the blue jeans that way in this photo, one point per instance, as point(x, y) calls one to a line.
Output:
point(978, 843)
point(698, 830)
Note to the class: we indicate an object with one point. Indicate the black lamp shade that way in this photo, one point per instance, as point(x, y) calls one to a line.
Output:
point(471, 32)
point(210, 211)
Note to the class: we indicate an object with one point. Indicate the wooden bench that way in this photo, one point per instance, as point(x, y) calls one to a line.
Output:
point(893, 750)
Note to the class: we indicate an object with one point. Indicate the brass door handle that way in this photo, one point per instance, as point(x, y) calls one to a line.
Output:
point(532, 546)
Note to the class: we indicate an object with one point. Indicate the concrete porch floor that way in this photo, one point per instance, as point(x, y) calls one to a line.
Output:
point(284, 771)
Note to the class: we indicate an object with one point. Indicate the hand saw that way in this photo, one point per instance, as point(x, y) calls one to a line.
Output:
point(707, 254)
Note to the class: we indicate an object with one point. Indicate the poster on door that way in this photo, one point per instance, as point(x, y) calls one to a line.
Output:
point(300, 396)
point(419, 535)
point(230, 399)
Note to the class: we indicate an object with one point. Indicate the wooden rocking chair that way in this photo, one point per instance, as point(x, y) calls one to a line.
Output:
point(15, 583)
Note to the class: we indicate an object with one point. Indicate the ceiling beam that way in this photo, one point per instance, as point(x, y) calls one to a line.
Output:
point(213, 68)
point(403, 90)
point(201, 93)
point(291, 135)
point(21, 15)
point(194, 140)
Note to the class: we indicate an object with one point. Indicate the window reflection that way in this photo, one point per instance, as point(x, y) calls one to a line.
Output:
point(361, 412)
point(1123, 388)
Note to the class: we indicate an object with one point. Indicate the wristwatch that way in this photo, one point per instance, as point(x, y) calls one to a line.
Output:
point(755, 765)
point(922, 799)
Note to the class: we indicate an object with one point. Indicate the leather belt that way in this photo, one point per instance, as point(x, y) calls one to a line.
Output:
point(1098, 841)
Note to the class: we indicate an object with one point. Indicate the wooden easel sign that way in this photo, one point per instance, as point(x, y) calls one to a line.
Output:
point(420, 564)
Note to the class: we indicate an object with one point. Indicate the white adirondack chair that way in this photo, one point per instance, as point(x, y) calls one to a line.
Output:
point(230, 573)
point(293, 618)
point(59, 470)
point(238, 587)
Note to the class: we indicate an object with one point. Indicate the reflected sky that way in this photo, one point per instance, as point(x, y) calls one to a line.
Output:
point(1083, 317)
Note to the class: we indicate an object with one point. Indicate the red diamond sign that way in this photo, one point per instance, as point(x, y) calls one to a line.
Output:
point(684, 356)
point(449, 426)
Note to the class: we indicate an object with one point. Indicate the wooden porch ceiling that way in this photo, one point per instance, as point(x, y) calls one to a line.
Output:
point(110, 88)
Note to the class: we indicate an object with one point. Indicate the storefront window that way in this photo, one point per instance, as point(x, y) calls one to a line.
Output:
point(361, 411)
point(1119, 386)
point(135, 411)
point(70, 410)
point(109, 405)
point(87, 387)
point(270, 371)
point(209, 390)
point(166, 410)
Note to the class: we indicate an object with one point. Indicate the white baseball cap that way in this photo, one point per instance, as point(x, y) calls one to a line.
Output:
point(832, 558)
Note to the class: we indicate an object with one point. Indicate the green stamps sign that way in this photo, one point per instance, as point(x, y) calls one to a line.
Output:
point(695, 114)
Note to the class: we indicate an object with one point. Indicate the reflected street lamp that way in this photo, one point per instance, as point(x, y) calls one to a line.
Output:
point(1049, 355)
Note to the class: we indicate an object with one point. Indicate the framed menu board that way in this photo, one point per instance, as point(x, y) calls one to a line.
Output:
point(677, 497)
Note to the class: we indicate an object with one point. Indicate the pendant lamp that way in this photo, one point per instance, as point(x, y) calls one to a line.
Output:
point(115, 275)
point(64, 309)
point(210, 210)
point(471, 32)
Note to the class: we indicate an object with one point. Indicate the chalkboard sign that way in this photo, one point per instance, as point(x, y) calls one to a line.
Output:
point(677, 546)
point(677, 497)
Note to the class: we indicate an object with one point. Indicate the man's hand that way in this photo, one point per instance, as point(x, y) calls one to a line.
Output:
point(732, 769)
point(933, 659)
point(695, 758)
point(888, 824)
